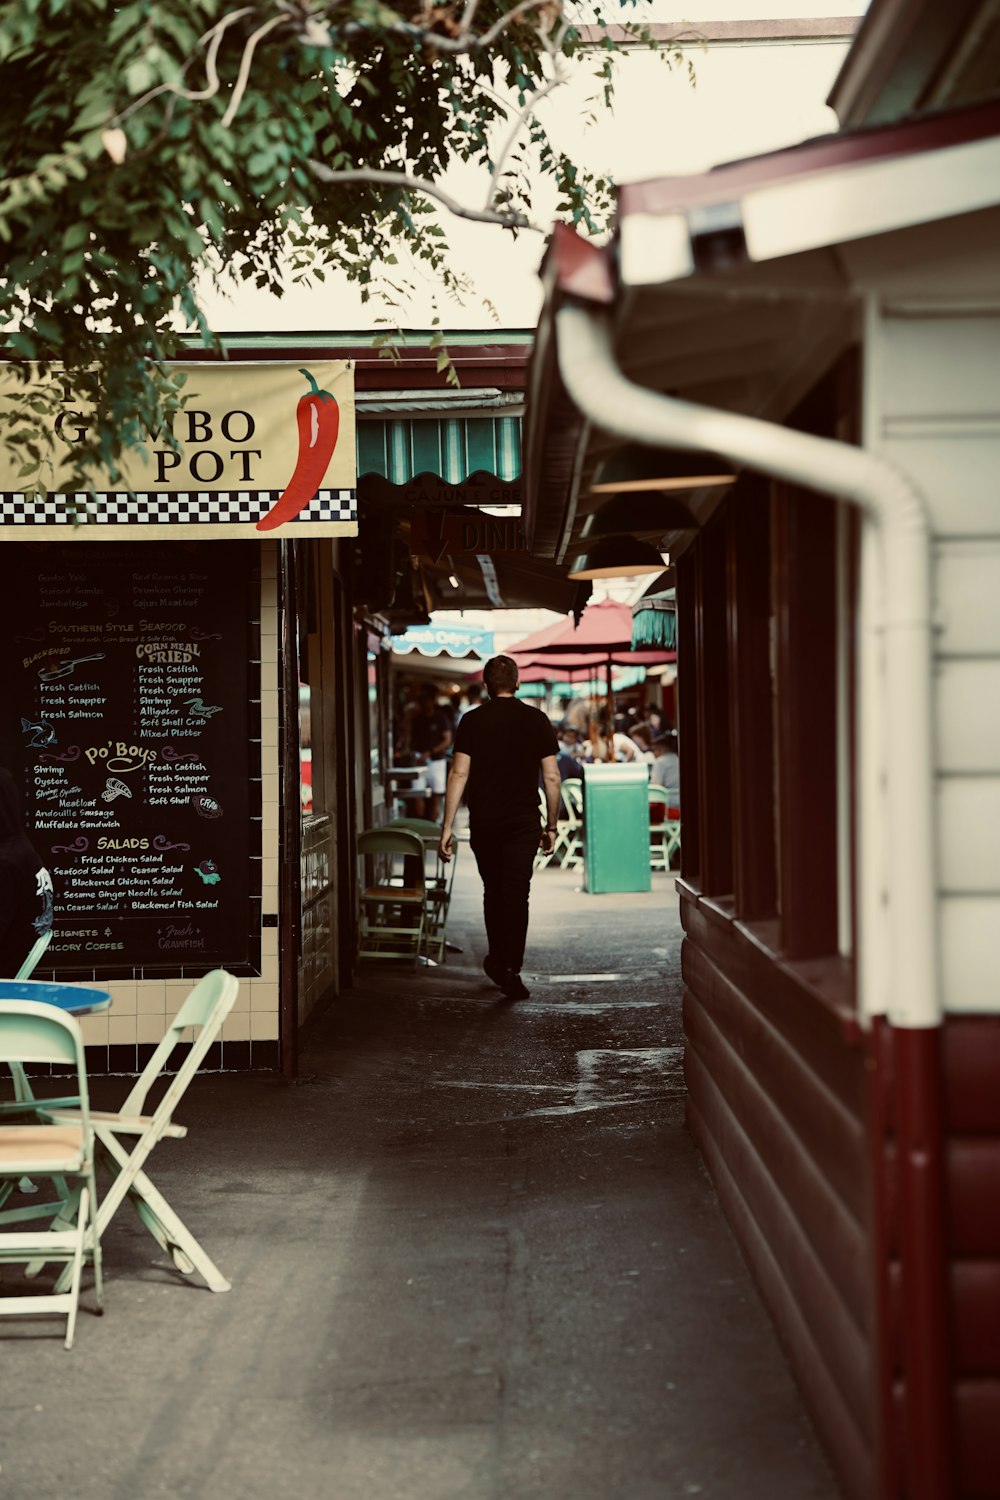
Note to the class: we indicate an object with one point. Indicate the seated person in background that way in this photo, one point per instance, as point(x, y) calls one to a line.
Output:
point(576, 713)
point(641, 736)
point(570, 751)
point(666, 768)
point(570, 768)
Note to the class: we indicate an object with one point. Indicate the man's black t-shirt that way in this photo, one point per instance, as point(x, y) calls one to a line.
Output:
point(505, 741)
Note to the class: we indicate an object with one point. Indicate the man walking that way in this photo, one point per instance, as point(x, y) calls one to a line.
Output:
point(498, 750)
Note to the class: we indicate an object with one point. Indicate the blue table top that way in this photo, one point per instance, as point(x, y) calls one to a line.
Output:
point(75, 999)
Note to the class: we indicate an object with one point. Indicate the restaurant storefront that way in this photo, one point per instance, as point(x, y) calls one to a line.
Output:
point(153, 648)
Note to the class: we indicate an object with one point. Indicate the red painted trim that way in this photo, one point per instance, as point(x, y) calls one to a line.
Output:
point(582, 269)
point(880, 1072)
point(687, 33)
point(926, 1332)
point(416, 369)
point(730, 181)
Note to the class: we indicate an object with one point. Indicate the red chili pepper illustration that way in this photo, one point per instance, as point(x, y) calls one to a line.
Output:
point(318, 418)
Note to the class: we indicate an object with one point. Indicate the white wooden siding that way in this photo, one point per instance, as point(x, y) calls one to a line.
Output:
point(967, 598)
point(971, 972)
point(935, 410)
point(958, 475)
point(940, 368)
point(968, 716)
point(968, 823)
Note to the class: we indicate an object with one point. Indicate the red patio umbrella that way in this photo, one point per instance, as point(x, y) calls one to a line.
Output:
point(603, 634)
point(605, 629)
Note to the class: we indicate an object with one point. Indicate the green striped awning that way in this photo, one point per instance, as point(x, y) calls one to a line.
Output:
point(452, 447)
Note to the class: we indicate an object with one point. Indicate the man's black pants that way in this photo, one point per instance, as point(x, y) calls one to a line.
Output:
point(505, 854)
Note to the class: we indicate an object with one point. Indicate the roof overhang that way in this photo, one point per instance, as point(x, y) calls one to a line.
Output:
point(916, 55)
point(737, 288)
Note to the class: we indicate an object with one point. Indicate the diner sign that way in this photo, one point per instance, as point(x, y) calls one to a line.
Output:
point(258, 449)
point(124, 721)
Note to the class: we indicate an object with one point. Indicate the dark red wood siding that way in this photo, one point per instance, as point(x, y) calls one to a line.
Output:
point(777, 1103)
point(971, 1069)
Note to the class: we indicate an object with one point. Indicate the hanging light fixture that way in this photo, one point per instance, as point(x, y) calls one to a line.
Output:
point(635, 469)
point(617, 557)
point(654, 514)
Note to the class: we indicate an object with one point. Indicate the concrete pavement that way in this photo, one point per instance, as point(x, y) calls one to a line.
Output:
point(474, 1256)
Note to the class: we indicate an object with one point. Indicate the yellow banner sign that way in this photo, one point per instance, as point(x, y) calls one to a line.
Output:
point(259, 449)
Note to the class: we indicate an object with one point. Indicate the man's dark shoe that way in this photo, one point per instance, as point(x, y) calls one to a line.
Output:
point(493, 971)
point(513, 986)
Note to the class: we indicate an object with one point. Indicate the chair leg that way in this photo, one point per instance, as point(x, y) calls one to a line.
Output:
point(75, 1266)
point(179, 1241)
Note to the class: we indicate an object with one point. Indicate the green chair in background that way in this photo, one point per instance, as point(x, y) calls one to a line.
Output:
point(393, 893)
point(439, 877)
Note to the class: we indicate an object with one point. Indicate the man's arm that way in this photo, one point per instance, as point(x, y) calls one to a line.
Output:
point(457, 778)
point(552, 782)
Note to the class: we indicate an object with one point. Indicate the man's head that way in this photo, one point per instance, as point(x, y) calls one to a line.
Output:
point(569, 737)
point(427, 698)
point(664, 741)
point(500, 676)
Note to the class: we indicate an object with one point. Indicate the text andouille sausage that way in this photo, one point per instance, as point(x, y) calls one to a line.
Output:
point(318, 418)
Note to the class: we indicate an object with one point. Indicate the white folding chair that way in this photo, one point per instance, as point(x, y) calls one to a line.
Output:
point(568, 845)
point(204, 1010)
point(664, 836)
point(31, 1032)
point(541, 858)
point(22, 1089)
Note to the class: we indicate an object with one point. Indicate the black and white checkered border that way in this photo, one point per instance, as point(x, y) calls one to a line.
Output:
point(204, 507)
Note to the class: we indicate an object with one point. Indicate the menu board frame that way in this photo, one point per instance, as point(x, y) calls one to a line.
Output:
point(131, 721)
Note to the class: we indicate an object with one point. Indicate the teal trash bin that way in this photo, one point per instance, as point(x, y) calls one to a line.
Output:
point(616, 827)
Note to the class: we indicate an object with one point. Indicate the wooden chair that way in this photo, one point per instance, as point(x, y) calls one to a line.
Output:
point(394, 902)
point(32, 1032)
point(439, 877)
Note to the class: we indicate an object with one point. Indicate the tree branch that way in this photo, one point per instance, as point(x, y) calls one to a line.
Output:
point(243, 77)
point(194, 96)
point(506, 220)
point(520, 120)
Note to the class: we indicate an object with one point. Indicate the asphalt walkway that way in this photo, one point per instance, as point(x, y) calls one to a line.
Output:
point(474, 1256)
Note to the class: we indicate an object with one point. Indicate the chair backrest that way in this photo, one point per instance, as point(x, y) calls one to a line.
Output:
point(660, 794)
point(390, 840)
point(399, 842)
point(32, 1032)
point(34, 957)
point(206, 1007)
point(572, 792)
point(424, 828)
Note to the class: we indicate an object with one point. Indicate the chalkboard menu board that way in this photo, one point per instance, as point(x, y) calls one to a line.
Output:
point(125, 720)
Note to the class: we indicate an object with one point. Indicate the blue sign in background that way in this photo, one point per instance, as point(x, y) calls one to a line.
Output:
point(433, 640)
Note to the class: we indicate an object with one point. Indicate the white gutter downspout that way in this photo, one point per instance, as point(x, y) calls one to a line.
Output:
point(913, 1004)
point(612, 402)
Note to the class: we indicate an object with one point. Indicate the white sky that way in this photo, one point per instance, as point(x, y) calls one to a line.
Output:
point(747, 100)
